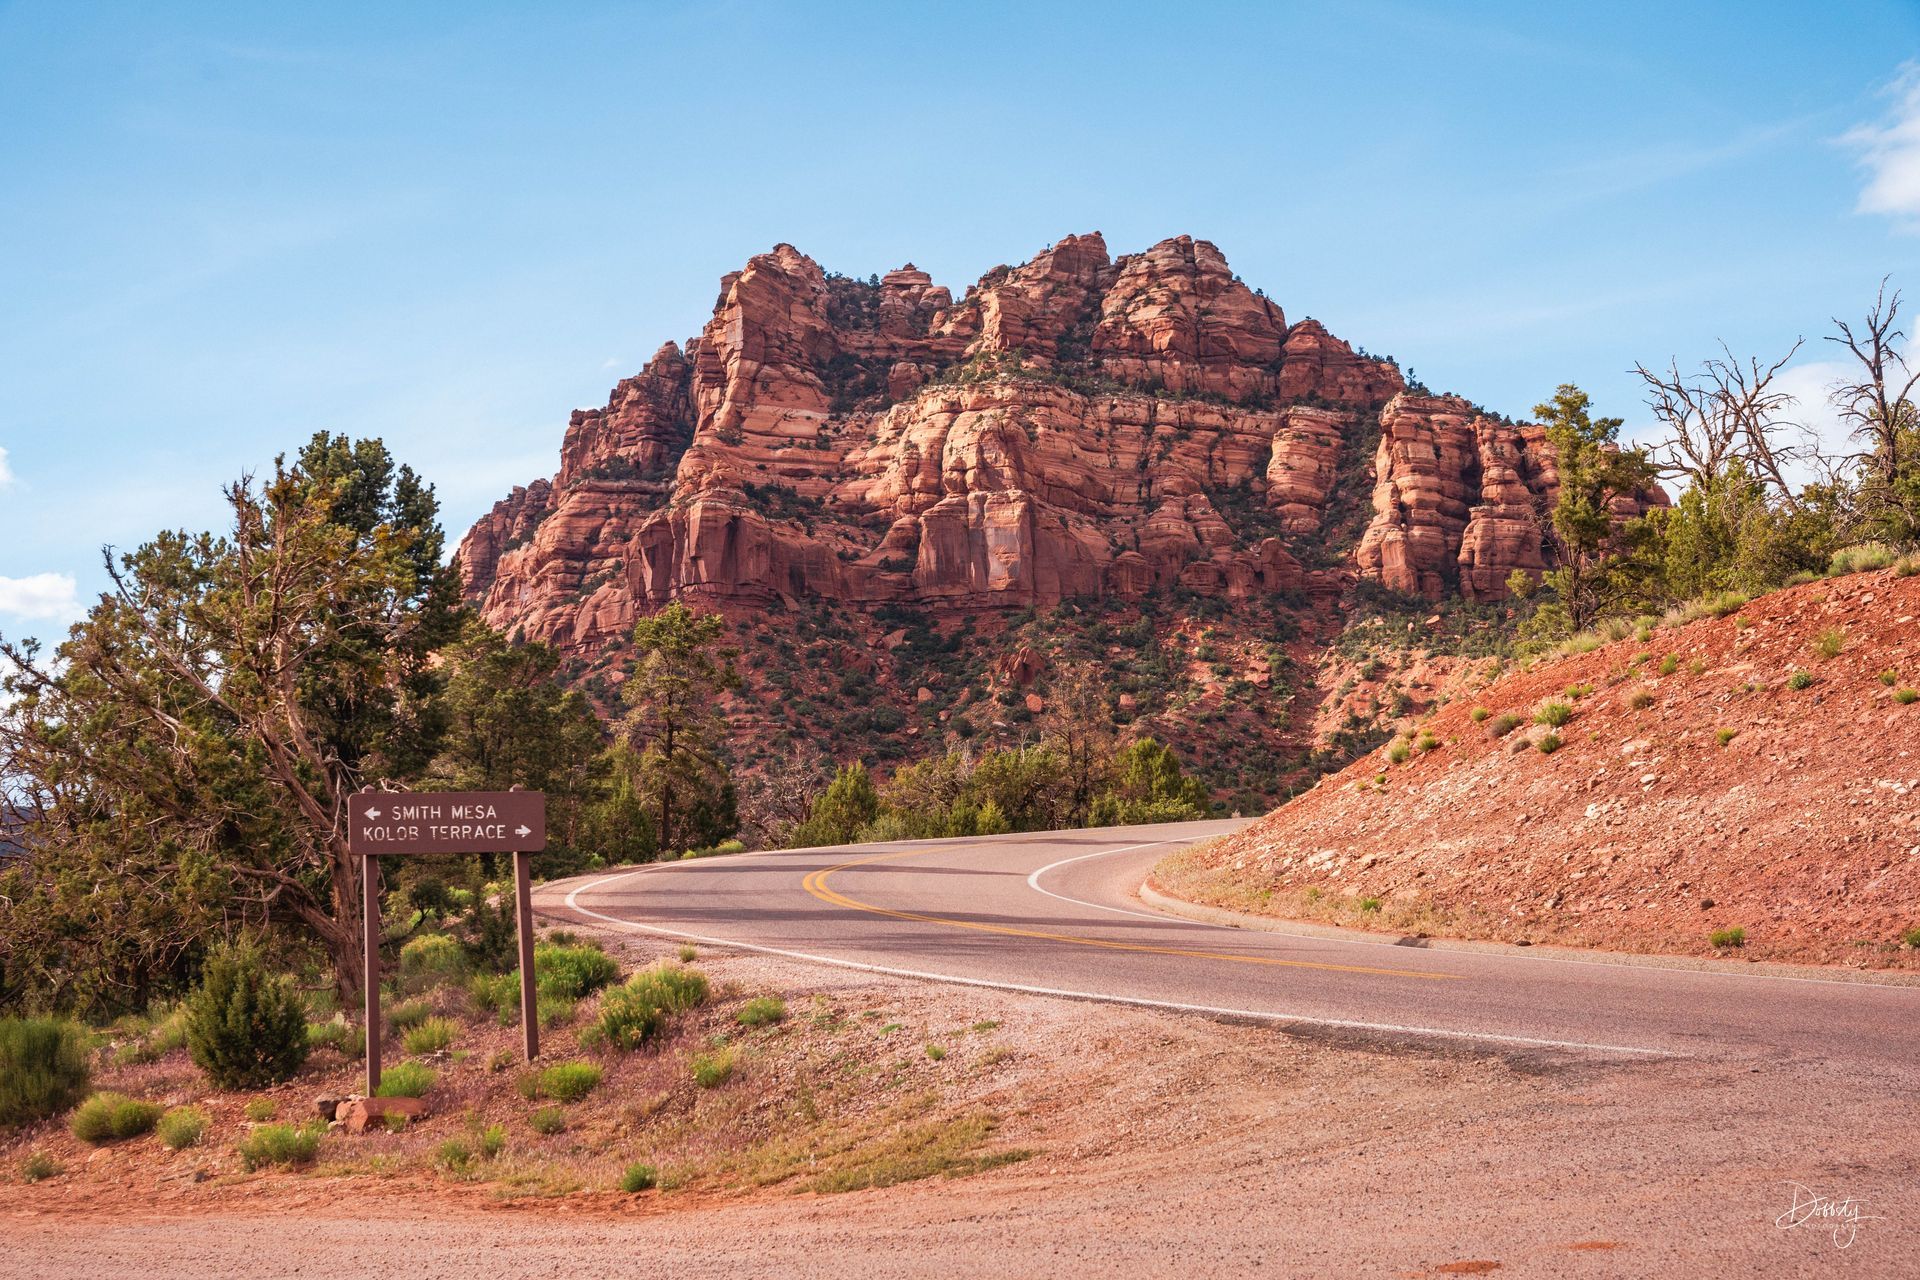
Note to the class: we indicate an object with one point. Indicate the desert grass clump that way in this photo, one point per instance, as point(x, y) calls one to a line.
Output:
point(1578, 691)
point(407, 1014)
point(1867, 556)
point(1912, 938)
point(182, 1127)
point(1368, 905)
point(43, 1068)
point(1503, 724)
point(1724, 736)
point(761, 1011)
point(160, 1037)
point(40, 1166)
point(548, 1121)
point(688, 953)
point(570, 971)
point(1548, 744)
point(281, 1144)
point(1906, 697)
point(260, 1110)
point(1639, 700)
point(936, 1052)
point(638, 1178)
point(338, 1035)
point(246, 1028)
point(1828, 644)
point(1726, 938)
point(1889, 677)
point(406, 1080)
point(108, 1116)
point(1478, 714)
point(1399, 751)
point(431, 1036)
point(567, 1081)
point(711, 1070)
point(434, 957)
point(1799, 680)
point(1554, 713)
point(1669, 664)
point(1427, 742)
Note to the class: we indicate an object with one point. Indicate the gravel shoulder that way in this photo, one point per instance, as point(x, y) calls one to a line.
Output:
point(1158, 1141)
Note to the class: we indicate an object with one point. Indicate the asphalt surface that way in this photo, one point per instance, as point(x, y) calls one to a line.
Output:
point(1057, 913)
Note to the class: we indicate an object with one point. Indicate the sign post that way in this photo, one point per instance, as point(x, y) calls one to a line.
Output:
point(397, 823)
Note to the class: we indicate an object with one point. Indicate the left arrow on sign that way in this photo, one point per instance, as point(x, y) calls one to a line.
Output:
point(373, 813)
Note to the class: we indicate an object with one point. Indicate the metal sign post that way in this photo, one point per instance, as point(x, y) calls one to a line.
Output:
point(392, 823)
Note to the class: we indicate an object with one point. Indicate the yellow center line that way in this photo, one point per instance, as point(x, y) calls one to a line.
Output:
point(816, 884)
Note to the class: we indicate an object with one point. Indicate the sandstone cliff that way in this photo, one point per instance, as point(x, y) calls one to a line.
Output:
point(1075, 427)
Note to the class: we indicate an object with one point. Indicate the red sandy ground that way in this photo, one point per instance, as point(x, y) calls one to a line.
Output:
point(1643, 832)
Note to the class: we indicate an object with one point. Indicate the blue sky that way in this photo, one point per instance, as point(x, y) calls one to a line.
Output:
point(223, 228)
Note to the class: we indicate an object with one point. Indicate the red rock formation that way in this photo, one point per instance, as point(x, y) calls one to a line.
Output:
point(1461, 500)
point(1076, 426)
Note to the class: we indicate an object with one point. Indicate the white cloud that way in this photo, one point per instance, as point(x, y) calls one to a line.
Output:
point(1811, 385)
point(49, 596)
point(6, 472)
point(1890, 152)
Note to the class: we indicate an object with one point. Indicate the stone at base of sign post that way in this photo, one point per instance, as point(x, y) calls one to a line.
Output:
point(360, 1114)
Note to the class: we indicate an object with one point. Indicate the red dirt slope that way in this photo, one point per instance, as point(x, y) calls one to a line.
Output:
point(1695, 790)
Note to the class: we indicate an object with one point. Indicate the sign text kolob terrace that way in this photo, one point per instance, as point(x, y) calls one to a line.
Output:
point(401, 822)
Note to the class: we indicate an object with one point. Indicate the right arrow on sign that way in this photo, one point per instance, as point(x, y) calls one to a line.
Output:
point(523, 830)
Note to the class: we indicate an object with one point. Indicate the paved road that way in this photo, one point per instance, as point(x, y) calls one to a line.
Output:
point(1056, 912)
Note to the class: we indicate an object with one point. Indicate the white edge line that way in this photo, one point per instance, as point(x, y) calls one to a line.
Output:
point(1259, 1015)
point(1033, 882)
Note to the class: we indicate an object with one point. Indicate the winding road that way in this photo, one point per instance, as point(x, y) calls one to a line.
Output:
point(1057, 913)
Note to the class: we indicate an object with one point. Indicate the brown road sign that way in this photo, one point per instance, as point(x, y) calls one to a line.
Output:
point(396, 822)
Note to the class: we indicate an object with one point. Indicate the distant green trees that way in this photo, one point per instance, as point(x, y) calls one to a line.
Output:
point(1028, 788)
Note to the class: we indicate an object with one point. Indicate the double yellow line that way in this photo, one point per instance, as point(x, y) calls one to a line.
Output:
point(816, 884)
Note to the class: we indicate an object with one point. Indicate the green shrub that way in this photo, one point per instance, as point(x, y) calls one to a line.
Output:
point(688, 954)
point(716, 850)
point(1554, 713)
point(1828, 644)
point(433, 955)
point(568, 1081)
point(1503, 724)
point(1889, 677)
point(1734, 937)
point(638, 1178)
point(1724, 736)
point(492, 1141)
point(1577, 691)
point(43, 1068)
point(640, 1009)
point(936, 1052)
point(711, 1070)
point(1912, 938)
point(1669, 664)
point(547, 1121)
point(1548, 744)
point(183, 1127)
point(496, 993)
point(761, 1011)
point(1799, 679)
point(453, 1155)
point(281, 1144)
point(106, 1116)
point(1427, 742)
point(406, 1080)
point(260, 1110)
point(431, 1036)
point(570, 972)
point(1369, 905)
point(1478, 714)
point(38, 1167)
point(1906, 697)
point(1399, 750)
point(245, 1028)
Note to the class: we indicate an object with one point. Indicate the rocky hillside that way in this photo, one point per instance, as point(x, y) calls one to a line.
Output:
point(1139, 436)
point(1756, 772)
